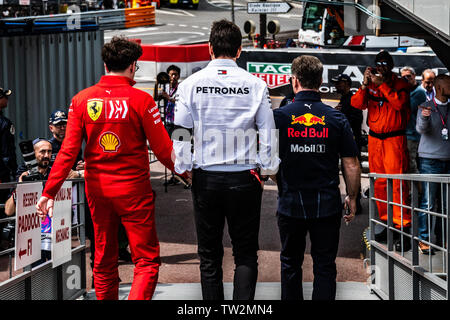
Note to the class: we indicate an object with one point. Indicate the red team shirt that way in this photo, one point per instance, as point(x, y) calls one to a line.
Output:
point(116, 120)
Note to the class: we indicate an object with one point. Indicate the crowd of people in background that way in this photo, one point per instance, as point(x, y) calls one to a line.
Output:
point(408, 133)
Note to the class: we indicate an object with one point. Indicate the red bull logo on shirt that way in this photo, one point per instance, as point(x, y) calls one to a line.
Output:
point(308, 119)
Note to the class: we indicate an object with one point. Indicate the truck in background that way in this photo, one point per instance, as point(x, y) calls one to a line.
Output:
point(322, 26)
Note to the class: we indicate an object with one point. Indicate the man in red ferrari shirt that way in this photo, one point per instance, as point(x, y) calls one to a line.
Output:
point(116, 120)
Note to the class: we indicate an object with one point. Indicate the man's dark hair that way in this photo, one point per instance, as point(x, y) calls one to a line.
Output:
point(308, 70)
point(120, 53)
point(442, 79)
point(385, 56)
point(225, 38)
point(174, 68)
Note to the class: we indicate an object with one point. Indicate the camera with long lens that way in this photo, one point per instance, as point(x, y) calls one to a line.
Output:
point(162, 80)
point(27, 149)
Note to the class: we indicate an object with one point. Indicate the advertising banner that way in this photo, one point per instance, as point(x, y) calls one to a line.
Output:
point(274, 66)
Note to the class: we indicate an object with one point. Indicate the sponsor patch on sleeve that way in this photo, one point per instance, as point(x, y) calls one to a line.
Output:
point(154, 112)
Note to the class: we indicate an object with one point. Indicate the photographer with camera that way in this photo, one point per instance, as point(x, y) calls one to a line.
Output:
point(37, 155)
point(165, 90)
point(386, 98)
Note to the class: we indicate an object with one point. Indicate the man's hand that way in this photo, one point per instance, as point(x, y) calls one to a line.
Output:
point(350, 209)
point(44, 207)
point(188, 177)
point(165, 95)
point(73, 174)
point(26, 173)
point(274, 178)
point(426, 111)
point(80, 165)
point(376, 79)
point(367, 74)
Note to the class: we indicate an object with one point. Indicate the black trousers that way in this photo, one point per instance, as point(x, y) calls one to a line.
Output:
point(236, 197)
point(324, 236)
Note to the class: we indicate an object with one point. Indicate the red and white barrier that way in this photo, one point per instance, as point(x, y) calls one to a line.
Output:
point(155, 59)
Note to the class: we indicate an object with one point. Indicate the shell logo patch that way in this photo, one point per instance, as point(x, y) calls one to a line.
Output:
point(94, 108)
point(109, 142)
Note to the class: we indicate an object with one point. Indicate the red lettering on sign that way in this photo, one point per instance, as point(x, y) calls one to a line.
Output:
point(29, 199)
point(64, 194)
point(28, 222)
point(62, 234)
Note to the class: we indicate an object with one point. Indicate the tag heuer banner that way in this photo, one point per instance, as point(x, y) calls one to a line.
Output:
point(274, 74)
point(274, 66)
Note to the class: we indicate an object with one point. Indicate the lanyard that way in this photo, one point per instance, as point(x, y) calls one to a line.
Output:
point(172, 90)
point(444, 122)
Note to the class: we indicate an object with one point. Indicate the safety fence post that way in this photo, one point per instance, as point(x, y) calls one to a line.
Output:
point(415, 235)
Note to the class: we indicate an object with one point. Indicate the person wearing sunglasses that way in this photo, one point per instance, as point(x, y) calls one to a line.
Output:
point(387, 100)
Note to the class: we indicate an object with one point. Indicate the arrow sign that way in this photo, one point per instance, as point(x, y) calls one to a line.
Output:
point(268, 7)
point(22, 252)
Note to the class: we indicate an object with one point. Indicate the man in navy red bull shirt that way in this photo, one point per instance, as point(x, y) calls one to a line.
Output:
point(313, 136)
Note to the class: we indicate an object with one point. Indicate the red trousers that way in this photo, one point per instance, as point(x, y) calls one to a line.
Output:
point(137, 216)
point(390, 156)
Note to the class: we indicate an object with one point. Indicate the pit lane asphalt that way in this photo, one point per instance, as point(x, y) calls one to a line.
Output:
point(179, 259)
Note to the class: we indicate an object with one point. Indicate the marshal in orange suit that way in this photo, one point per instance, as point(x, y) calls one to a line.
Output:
point(386, 96)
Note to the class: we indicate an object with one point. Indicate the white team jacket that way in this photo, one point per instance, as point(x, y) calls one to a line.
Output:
point(227, 108)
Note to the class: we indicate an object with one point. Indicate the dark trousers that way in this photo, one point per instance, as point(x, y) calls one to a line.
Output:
point(235, 197)
point(324, 236)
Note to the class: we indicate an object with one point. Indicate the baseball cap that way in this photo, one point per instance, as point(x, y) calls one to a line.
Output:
point(5, 92)
point(341, 77)
point(39, 140)
point(57, 117)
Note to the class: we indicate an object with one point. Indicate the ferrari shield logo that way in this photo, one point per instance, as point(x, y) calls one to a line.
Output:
point(94, 108)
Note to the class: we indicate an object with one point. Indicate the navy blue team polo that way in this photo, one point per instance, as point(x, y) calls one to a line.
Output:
point(312, 137)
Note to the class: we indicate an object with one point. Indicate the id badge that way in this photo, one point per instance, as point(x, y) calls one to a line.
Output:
point(444, 134)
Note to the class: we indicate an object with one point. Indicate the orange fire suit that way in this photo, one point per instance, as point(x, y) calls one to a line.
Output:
point(116, 120)
point(388, 114)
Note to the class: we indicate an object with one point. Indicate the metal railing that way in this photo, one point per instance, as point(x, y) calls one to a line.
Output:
point(410, 274)
point(65, 282)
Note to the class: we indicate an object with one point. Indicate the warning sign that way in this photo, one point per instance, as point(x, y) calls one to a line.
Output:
point(28, 225)
point(62, 226)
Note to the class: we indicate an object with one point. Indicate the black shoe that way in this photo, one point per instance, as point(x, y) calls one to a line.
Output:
point(406, 245)
point(124, 255)
point(380, 233)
